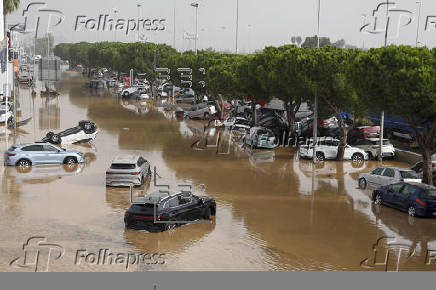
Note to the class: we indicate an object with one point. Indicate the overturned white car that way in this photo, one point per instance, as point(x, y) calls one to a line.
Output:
point(86, 131)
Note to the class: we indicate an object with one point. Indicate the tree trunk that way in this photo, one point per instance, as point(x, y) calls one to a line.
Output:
point(220, 104)
point(426, 142)
point(342, 140)
point(253, 113)
point(427, 172)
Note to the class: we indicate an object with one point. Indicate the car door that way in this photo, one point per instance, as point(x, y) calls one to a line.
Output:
point(190, 204)
point(331, 147)
point(174, 209)
point(374, 176)
point(401, 199)
point(389, 196)
point(182, 210)
point(52, 154)
point(388, 176)
point(34, 153)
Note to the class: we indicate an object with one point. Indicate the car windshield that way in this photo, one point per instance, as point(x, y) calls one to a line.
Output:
point(409, 174)
point(429, 194)
point(122, 166)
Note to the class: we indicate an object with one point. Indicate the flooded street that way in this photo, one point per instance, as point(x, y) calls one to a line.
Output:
point(274, 212)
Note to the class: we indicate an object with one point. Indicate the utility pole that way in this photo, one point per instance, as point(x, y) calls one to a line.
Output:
point(382, 116)
point(419, 20)
point(195, 5)
point(315, 108)
point(237, 26)
point(174, 25)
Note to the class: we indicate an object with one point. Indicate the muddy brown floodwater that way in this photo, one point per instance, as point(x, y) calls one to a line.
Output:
point(273, 211)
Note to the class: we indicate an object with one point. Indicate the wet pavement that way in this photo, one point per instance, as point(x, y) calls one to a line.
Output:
point(274, 212)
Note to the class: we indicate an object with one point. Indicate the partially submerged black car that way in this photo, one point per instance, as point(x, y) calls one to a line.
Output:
point(160, 211)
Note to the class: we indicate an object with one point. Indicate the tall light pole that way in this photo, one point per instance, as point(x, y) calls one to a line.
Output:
point(174, 25)
point(364, 22)
point(237, 26)
point(315, 107)
point(115, 30)
point(382, 116)
point(139, 17)
point(194, 4)
point(419, 20)
point(387, 22)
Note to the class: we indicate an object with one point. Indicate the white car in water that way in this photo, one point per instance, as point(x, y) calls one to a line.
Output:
point(127, 170)
point(327, 148)
point(387, 175)
point(372, 147)
point(6, 116)
point(86, 131)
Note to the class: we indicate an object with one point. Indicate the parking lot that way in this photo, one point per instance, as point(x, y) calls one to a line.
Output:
point(274, 211)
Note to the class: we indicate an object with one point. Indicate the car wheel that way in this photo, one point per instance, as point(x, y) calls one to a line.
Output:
point(320, 156)
point(55, 138)
point(370, 157)
point(378, 199)
point(71, 167)
point(24, 165)
point(125, 94)
point(170, 226)
point(412, 211)
point(362, 183)
point(207, 213)
point(70, 160)
point(187, 117)
point(206, 116)
point(357, 157)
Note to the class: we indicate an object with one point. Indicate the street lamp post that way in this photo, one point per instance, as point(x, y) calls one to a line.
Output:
point(237, 26)
point(194, 4)
point(174, 25)
point(139, 17)
point(115, 11)
point(364, 22)
point(382, 116)
point(315, 109)
point(419, 20)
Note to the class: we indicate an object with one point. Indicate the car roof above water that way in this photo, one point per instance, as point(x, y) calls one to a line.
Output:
point(125, 159)
point(29, 144)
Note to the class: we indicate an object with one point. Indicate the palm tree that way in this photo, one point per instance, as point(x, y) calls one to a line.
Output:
point(9, 6)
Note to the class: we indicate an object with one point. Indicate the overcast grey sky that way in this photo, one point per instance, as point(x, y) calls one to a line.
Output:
point(261, 23)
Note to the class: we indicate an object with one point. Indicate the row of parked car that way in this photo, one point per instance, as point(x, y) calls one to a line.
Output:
point(401, 188)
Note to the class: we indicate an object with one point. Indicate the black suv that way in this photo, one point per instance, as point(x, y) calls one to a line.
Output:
point(160, 211)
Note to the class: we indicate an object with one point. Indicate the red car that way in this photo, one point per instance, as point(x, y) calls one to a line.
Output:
point(369, 131)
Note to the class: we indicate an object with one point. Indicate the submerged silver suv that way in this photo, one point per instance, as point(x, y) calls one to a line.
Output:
point(26, 155)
